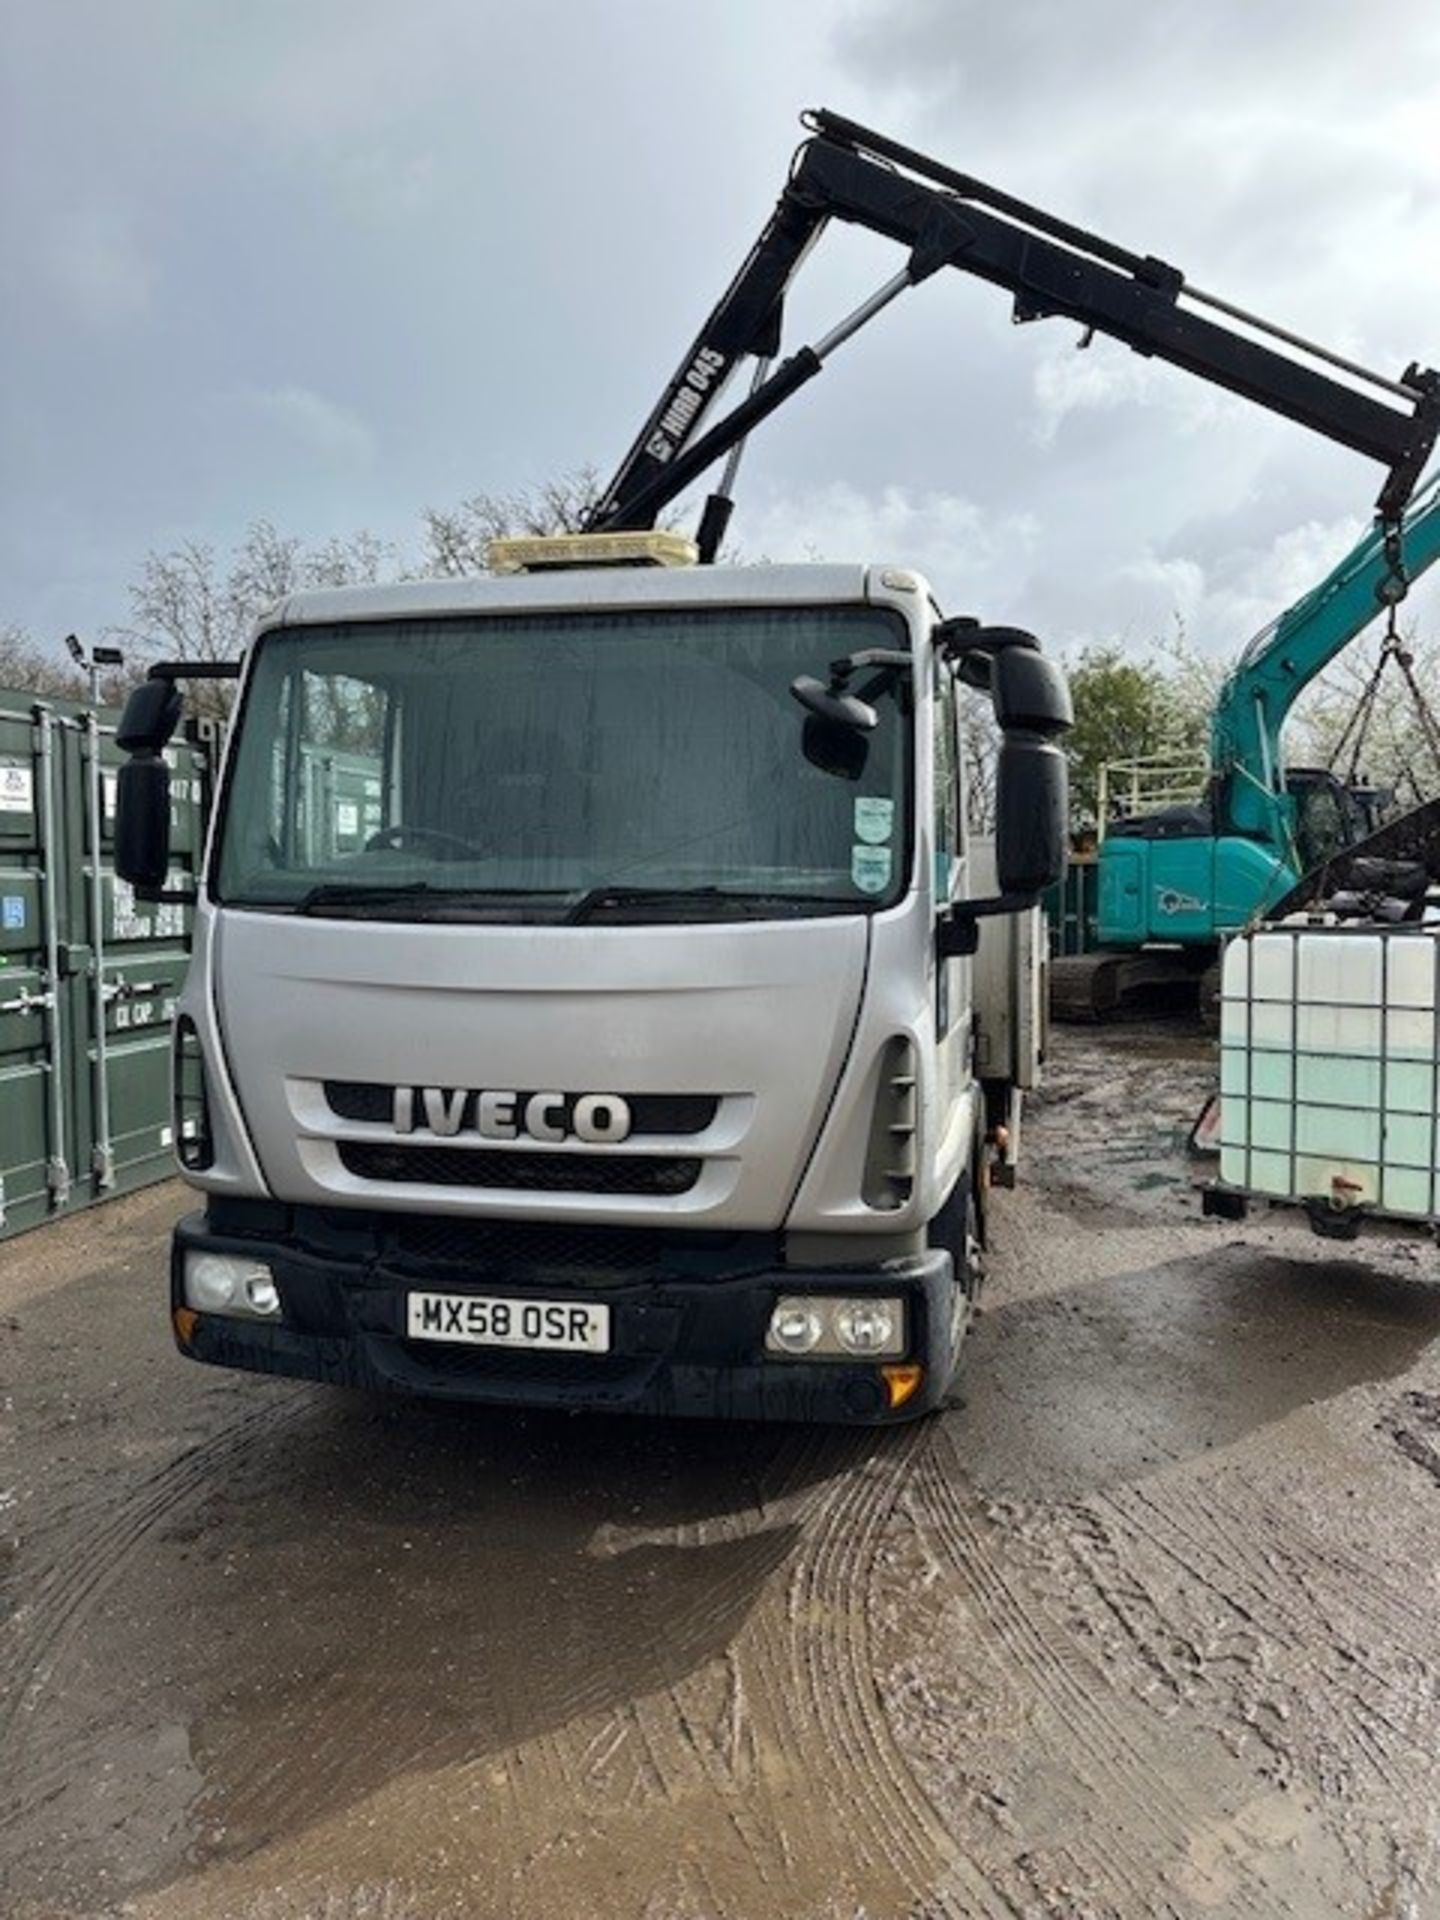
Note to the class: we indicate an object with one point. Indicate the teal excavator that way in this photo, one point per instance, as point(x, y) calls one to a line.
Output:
point(1172, 884)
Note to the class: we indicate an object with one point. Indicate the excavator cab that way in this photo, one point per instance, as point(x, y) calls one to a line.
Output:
point(1329, 815)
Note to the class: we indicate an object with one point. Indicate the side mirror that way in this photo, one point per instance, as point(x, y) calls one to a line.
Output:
point(142, 822)
point(1029, 693)
point(1032, 803)
point(838, 751)
point(151, 716)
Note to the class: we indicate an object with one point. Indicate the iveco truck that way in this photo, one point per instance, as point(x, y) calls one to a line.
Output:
point(596, 999)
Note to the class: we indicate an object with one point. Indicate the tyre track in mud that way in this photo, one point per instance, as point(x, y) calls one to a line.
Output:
point(1341, 1626)
point(616, 1703)
point(783, 1739)
point(1151, 1818)
point(830, 1614)
point(801, 1709)
point(84, 1561)
point(613, 1748)
point(674, 1753)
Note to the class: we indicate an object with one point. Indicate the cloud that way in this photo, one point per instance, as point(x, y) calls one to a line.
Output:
point(1273, 152)
point(300, 420)
point(949, 538)
point(1046, 570)
point(1071, 382)
point(272, 244)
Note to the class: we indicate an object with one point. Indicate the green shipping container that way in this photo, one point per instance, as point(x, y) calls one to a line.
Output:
point(88, 976)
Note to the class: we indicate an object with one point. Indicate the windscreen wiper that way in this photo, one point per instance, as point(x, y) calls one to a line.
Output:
point(440, 902)
point(598, 898)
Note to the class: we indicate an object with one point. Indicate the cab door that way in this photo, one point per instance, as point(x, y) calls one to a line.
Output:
point(953, 995)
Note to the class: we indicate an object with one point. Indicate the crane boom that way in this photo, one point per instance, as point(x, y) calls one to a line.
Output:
point(1051, 267)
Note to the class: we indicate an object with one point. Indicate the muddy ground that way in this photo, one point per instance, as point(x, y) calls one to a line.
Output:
point(1150, 1624)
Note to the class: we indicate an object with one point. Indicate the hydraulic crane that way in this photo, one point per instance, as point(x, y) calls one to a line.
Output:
point(1051, 267)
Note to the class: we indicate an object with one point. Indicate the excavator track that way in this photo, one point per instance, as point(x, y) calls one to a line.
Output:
point(1089, 987)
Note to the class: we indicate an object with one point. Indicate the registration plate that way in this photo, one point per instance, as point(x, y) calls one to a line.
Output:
point(559, 1326)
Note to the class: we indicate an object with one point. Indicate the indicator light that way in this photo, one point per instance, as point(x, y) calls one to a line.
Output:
point(902, 1382)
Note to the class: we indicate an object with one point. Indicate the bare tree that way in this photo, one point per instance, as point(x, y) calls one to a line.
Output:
point(979, 746)
point(188, 605)
point(458, 538)
point(26, 667)
point(1396, 750)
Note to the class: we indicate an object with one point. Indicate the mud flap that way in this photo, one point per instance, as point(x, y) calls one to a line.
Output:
point(1204, 1140)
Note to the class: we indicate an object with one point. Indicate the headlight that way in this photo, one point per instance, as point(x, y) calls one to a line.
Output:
point(231, 1283)
point(795, 1327)
point(867, 1326)
point(834, 1328)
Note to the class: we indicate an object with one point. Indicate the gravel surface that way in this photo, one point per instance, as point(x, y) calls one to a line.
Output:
point(1146, 1624)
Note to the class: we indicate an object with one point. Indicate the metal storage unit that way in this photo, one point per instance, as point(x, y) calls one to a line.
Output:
point(88, 979)
point(1070, 908)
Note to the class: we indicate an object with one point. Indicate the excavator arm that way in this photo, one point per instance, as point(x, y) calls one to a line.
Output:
point(1052, 269)
point(1280, 662)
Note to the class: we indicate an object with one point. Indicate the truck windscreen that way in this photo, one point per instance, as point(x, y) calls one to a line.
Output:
point(638, 764)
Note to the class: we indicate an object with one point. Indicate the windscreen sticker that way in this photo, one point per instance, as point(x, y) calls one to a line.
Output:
point(347, 819)
point(874, 819)
point(12, 912)
point(870, 868)
point(17, 790)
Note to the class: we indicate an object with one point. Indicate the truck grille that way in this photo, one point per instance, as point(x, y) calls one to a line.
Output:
point(653, 1113)
point(528, 1172)
point(529, 1247)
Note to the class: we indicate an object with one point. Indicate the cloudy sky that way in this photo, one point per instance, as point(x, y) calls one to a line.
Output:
point(329, 261)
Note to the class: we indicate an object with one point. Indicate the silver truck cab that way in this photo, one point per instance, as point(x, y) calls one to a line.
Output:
point(584, 1008)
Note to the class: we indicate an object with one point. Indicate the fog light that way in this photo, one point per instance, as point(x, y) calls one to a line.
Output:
point(867, 1326)
point(231, 1283)
point(795, 1327)
point(261, 1293)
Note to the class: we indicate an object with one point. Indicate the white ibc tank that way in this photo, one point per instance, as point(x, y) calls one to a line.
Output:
point(1329, 1076)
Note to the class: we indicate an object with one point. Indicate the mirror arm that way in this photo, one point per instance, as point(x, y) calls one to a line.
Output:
point(849, 664)
point(957, 933)
point(195, 670)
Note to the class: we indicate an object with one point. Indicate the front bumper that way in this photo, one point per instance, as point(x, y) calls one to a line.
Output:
point(684, 1343)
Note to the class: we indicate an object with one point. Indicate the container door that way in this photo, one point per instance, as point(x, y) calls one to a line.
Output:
point(142, 954)
point(88, 977)
point(36, 1147)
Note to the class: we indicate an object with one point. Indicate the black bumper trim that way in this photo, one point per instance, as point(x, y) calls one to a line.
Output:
point(683, 1346)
